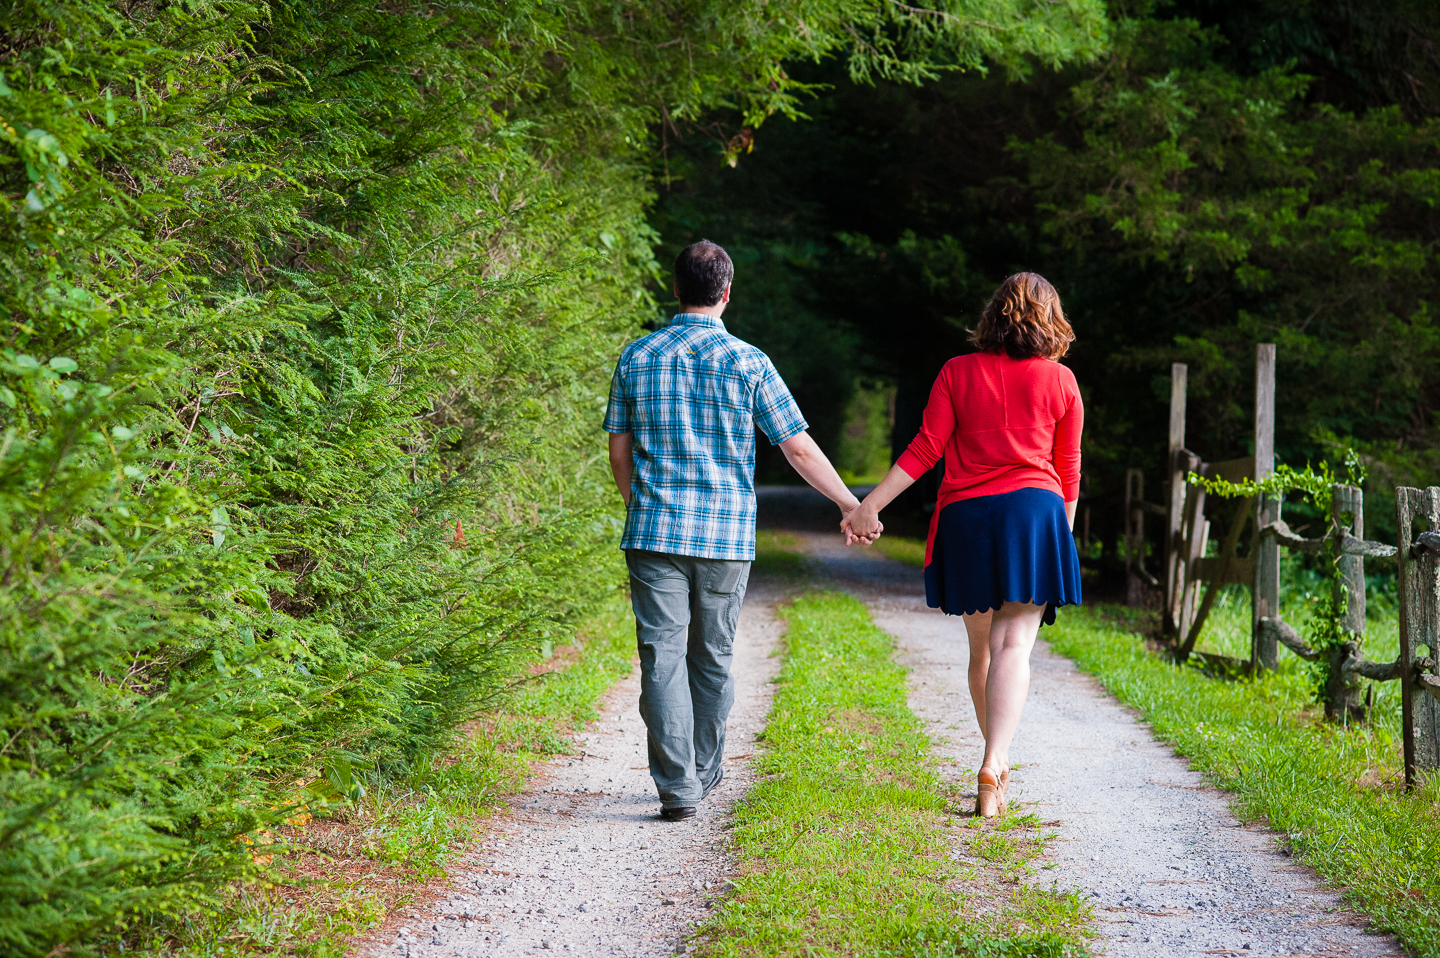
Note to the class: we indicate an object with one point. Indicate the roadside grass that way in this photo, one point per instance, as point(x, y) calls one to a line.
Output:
point(1335, 793)
point(338, 877)
point(844, 842)
point(902, 549)
point(778, 554)
point(1227, 631)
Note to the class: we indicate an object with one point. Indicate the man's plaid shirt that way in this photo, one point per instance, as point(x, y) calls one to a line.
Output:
point(692, 395)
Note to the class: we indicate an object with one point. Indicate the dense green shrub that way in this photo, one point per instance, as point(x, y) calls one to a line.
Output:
point(308, 316)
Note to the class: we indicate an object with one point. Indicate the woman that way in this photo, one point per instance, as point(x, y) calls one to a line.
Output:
point(1007, 420)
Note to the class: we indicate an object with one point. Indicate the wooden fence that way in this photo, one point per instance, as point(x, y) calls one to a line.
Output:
point(1249, 535)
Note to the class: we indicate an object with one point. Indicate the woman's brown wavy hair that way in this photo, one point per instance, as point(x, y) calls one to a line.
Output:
point(1023, 320)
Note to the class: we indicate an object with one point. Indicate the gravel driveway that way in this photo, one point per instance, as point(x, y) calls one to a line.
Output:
point(583, 864)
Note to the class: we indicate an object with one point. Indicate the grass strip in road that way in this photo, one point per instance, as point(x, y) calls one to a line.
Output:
point(1335, 793)
point(845, 840)
point(345, 873)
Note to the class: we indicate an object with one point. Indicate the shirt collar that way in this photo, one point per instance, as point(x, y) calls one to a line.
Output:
point(696, 319)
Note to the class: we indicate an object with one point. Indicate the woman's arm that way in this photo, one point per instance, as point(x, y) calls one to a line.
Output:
point(937, 425)
point(1066, 454)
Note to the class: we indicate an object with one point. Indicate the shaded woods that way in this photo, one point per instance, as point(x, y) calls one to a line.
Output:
point(1228, 173)
point(309, 311)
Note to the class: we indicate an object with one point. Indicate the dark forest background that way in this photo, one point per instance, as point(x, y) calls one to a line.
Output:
point(1229, 173)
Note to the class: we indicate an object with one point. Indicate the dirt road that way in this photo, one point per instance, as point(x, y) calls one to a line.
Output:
point(584, 866)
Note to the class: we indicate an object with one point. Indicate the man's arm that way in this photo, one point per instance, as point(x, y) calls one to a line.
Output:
point(807, 459)
point(622, 461)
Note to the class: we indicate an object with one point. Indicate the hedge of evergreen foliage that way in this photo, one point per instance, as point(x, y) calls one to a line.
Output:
point(308, 316)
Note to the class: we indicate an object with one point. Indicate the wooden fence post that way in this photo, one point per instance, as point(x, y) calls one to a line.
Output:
point(1419, 629)
point(1265, 596)
point(1342, 692)
point(1175, 549)
point(1134, 537)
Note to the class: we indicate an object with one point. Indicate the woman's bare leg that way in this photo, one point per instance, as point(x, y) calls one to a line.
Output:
point(977, 628)
point(1013, 629)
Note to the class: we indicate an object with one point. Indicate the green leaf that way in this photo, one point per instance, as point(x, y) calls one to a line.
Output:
point(255, 598)
point(63, 364)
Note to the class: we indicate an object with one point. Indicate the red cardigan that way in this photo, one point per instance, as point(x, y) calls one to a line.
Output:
point(1002, 424)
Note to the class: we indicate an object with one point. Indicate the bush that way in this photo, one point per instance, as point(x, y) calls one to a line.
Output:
point(309, 316)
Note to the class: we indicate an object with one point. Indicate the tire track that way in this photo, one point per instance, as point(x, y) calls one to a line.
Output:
point(583, 864)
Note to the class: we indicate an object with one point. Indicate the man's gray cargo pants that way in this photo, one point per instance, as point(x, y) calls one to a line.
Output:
point(686, 611)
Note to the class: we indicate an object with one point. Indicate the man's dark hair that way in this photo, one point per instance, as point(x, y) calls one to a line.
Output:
point(702, 271)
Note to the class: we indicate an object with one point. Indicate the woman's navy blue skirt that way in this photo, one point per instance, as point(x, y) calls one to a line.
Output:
point(1014, 547)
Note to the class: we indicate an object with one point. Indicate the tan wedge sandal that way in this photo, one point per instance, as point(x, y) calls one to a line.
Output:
point(990, 800)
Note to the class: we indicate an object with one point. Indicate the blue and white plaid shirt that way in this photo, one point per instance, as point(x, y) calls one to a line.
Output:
point(692, 395)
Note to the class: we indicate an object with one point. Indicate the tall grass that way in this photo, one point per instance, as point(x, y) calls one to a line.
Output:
point(1227, 630)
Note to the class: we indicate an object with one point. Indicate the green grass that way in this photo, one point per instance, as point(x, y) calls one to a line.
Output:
point(778, 554)
point(345, 873)
point(901, 549)
point(845, 840)
point(1335, 793)
point(1227, 632)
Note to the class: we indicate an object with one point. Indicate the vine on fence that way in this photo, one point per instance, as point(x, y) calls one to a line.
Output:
point(1326, 630)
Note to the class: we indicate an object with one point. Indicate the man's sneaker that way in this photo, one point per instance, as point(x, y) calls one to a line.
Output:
point(678, 814)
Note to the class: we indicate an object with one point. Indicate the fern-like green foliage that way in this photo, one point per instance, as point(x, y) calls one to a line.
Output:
point(309, 311)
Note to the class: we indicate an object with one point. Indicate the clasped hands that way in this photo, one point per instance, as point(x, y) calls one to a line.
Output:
point(861, 524)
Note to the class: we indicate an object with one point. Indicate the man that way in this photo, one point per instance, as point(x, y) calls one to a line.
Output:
point(684, 405)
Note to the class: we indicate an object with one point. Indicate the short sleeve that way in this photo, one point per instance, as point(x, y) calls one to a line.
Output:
point(618, 413)
point(774, 409)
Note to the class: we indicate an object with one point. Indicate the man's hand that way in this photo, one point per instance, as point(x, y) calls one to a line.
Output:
point(622, 462)
point(862, 524)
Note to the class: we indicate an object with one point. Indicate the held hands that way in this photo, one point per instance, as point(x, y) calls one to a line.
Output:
point(861, 524)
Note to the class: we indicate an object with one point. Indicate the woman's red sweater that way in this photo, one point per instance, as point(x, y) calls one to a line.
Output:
point(1002, 424)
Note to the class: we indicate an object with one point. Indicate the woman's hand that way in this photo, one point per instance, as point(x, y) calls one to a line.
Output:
point(862, 524)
